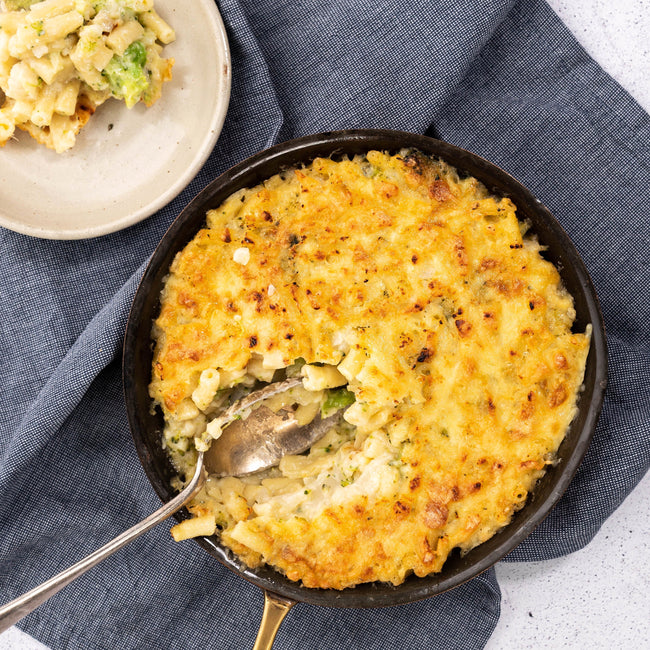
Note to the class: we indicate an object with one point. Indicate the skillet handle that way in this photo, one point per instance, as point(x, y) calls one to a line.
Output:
point(275, 609)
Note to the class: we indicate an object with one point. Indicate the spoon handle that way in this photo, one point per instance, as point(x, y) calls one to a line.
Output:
point(17, 609)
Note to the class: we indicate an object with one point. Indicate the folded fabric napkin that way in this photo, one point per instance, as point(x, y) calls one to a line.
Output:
point(503, 78)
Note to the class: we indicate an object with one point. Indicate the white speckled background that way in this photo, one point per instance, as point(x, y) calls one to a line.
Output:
point(598, 597)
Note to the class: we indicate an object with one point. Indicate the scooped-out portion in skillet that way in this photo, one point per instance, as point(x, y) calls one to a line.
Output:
point(407, 295)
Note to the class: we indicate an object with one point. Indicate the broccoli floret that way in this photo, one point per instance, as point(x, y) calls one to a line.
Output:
point(337, 399)
point(126, 74)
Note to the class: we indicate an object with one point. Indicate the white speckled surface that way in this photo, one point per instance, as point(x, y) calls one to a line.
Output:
point(598, 597)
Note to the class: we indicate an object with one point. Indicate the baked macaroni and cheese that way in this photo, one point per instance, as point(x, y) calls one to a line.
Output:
point(61, 59)
point(413, 301)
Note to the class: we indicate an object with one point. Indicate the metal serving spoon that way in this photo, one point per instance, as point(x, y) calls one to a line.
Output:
point(247, 445)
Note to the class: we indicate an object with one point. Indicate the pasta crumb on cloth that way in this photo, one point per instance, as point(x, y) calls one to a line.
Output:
point(61, 59)
point(412, 298)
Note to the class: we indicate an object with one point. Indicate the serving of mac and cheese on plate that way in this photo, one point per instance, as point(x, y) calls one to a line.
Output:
point(61, 59)
point(126, 163)
point(413, 301)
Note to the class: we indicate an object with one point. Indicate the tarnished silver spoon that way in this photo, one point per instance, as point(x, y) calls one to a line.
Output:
point(249, 444)
point(253, 443)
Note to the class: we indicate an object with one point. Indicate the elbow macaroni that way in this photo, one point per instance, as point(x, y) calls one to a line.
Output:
point(207, 388)
point(61, 59)
point(321, 377)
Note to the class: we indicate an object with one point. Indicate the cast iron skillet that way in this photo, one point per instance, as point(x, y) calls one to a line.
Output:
point(147, 426)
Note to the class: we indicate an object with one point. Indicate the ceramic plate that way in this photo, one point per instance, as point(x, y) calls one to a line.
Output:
point(126, 164)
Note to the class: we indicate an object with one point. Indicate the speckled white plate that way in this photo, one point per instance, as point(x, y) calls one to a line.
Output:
point(126, 164)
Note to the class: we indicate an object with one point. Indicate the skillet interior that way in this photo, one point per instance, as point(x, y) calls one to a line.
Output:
point(147, 427)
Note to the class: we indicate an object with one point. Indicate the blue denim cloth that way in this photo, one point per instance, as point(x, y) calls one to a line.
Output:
point(503, 78)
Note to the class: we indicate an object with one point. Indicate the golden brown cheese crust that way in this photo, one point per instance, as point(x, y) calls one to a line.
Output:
point(454, 332)
point(85, 109)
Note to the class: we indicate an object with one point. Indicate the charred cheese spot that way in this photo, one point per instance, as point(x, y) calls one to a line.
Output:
point(439, 190)
point(435, 515)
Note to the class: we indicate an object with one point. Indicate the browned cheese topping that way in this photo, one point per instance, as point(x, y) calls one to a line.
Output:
point(422, 294)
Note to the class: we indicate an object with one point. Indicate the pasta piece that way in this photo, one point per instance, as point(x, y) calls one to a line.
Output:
point(66, 101)
point(20, 110)
point(352, 364)
point(305, 413)
point(301, 466)
point(60, 26)
point(159, 72)
point(121, 37)
point(23, 83)
point(321, 377)
point(164, 33)
point(49, 67)
point(95, 96)
point(63, 130)
point(208, 386)
point(43, 32)
point(93, 78)
point(256, 369)
point(187, 410)
point(10, 21)
point(5, 69)
point(199, 526)
point(91, 50)
point(44, 108)
point(50, 8)
point(7, 127)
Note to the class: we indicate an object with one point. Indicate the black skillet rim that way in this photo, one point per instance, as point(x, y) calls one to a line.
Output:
point(146, 427)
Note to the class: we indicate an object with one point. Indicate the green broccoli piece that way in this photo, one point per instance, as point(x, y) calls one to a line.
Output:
point(337, 399)
point(126, 74)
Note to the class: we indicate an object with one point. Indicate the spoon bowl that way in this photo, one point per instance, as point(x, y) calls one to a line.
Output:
point(259, 441)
